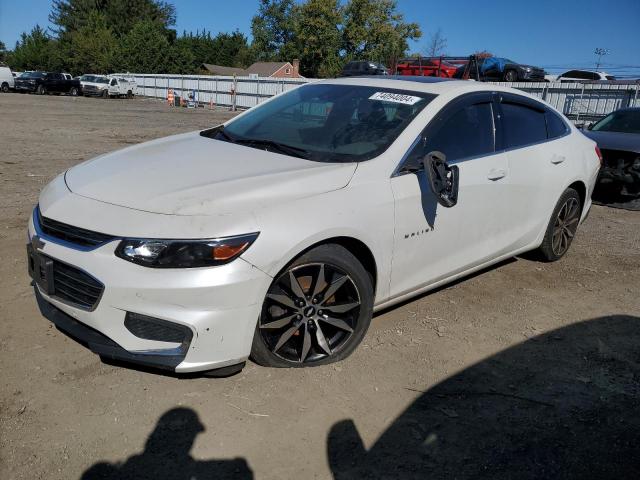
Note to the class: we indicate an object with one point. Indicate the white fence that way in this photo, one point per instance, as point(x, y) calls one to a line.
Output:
point(580, 102)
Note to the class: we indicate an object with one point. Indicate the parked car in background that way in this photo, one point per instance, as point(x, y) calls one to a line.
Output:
point(618, 137)
point(362, 67)
point(583, 76)
point(122, 87)
point(47, 82)
point(426, 66)
point(278, 234)
point(497, 69)
point(95, 85)
point(7, 80)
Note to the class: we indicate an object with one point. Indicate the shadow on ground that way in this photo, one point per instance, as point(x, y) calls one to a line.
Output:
point(166, 455)
point(562, 405)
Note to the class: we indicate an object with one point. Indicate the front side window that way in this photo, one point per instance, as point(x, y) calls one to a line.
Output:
point(324, 122)
point(113, 82)
point(467, 133)
point(522, 125)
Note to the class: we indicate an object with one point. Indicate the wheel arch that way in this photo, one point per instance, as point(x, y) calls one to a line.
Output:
point(580, 187)
point(356, 247)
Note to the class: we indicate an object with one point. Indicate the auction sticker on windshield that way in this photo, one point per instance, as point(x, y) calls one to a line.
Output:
point(395, 98)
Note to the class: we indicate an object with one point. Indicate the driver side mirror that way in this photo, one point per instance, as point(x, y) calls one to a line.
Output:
point(443, 179)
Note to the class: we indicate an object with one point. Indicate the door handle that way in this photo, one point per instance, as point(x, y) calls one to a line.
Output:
point(496, 174)
point(556, 159)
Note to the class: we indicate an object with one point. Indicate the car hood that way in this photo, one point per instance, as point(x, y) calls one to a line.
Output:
point(193, 175)
point(629, 142)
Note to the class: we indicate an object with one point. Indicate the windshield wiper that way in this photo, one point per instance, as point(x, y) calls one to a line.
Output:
point(216, 133)
point(281, 147)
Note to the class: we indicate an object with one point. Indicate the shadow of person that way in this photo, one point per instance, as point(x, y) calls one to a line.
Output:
point(166, 455)
point(565, 404)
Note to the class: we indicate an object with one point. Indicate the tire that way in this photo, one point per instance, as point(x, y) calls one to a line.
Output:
point(303, 334)
point(105, 94)
point(562, 227)
point(4, 87)
point(129, 94)
point(41, 90)
point(73, 92)
point(510, 76)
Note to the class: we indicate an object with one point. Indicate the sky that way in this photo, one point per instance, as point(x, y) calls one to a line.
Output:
point(556, 35)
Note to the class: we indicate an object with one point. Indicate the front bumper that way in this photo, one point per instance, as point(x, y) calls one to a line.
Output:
point(220, 305)
point(25, 87)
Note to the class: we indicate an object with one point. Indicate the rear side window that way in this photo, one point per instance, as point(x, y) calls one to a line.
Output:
point(556, 127)
point(467, 133)
point(522, 125)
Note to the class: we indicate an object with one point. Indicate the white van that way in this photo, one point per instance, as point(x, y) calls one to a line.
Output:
point(6, 79)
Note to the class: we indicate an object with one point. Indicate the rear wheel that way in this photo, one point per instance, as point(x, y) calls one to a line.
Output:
point(316, 311)
point(41, 90)
point(129, 94)
point(74, 91)
point(4, 87)
point(562, 226)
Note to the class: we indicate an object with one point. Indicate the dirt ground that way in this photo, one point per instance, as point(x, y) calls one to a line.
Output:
point(527, 370)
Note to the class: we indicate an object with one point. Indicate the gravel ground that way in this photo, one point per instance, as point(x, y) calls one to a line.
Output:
point(526, 370)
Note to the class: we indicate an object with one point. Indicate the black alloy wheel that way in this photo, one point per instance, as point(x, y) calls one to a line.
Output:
point(562, 226)
point(315, 312)
point(41, 90)
point(510, 76)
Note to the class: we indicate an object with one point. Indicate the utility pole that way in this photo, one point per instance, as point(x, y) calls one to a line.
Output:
point(600, 52)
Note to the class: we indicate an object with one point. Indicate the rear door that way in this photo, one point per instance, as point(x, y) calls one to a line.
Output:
point(535, 141)
point(433, 242)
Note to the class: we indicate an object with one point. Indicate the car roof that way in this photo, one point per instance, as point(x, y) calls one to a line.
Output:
point(433, 85)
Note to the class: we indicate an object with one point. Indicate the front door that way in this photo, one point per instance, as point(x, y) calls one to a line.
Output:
point(433, 242)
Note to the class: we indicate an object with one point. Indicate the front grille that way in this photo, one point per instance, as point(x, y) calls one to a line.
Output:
point(69, 233)
point(74, 286)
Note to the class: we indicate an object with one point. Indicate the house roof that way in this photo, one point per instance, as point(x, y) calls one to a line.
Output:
point(222, 70)
point(265, 69)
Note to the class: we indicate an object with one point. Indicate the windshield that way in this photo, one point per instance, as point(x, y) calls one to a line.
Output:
point(87, 78)
point(625, 121)
point(327, 123)
point(101, 80)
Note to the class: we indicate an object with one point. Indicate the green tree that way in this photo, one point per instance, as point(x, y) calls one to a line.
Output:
point(3, 52)
point(34, 51)
point(375, 30)
point(92, 48)
point(272, 30)
point(120, 15)
point(318, 37)
point(146, 49)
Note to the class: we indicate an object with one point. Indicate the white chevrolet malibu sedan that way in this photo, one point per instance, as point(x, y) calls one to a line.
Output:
point(277, 235)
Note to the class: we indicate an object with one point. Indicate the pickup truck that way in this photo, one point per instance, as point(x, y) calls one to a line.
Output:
point(46, 82)
point(121, 87)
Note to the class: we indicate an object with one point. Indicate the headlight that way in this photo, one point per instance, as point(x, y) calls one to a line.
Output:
point(527, 69)
point(184, 253)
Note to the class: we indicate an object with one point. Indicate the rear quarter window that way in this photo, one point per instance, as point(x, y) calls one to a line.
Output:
point(556, 126)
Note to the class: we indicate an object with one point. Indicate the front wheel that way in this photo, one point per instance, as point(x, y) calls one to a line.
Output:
point(562, 226)
point(510, 76)
point(4, 87)
point(41, 90)
point(316, 311)
point(73, 92)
